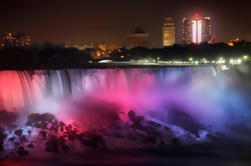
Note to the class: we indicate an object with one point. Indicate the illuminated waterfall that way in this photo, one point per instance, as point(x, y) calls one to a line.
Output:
point(203, 92)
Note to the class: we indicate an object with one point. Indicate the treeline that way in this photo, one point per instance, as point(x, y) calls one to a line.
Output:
point(180, 52)
point(43, 56)
point(55, 56)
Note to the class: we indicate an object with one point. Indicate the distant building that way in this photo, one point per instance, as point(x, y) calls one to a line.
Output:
point(103, 51)
point(16, 40)
point(186, 31)
point(168, 32)
point(231, 43)
point(196, 29)
point(207, 29)
point(137, 39)
point(80, 46)
point(102, 46)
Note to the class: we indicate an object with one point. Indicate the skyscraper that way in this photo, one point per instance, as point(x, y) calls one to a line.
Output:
point(168, 32)
point(196, 29)
point(207, 29)
point(186, 31)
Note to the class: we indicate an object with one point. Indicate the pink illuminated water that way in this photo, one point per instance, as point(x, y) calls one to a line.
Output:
point(208, 94)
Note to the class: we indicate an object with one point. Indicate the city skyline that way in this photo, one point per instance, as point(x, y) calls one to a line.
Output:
point(109, 21)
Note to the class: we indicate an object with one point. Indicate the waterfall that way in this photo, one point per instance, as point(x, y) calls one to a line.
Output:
point(206, 93)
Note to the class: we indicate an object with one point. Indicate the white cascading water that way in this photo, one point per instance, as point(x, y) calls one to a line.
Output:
point(206, 93)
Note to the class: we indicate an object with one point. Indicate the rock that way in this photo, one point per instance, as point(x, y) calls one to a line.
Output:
point(23, 139)
point(175, 141)
point(182, 119)
point(29, 123)
point(212, 137)
point(154, 124)
point(151, 131)
point(43, 134)
point(150, 139)
point(47, 117)
point(166, 128)
point(22, 152)
point(131, 115)
point(19, 132)
point(68, 128)
point(71, 135)
point(62, 125)
point(115, 135)
point(41, 125)
point(135, 119)
point(63, 145)
point(52, 145)
point(30, 145)
point(12, 139)
point(2, 138)
point(1, 147)
point(91, 139)
point(33, 118)
point(40, 120)
point(54, 129)
point(135, 136)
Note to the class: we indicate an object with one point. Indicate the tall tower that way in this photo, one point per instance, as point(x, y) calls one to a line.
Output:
point(197, 25)
point(207, 29)
point(186, 31)
point(168, 32)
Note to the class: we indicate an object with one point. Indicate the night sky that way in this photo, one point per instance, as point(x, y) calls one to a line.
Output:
point(110, 20)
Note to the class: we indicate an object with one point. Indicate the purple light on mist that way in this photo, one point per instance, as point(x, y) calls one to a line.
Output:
point(203, 93)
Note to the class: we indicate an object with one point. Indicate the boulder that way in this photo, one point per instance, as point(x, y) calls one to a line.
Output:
point(52, 145)
point(19, 132)
point(22, 152)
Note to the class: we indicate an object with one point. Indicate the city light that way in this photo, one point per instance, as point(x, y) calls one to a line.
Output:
point(194, 31)
point(239, 61)
point(245, 57)
point(224, 67)
point(199, 30)
point(231, 61)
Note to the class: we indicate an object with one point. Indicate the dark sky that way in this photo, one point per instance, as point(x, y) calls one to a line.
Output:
point(109, 20)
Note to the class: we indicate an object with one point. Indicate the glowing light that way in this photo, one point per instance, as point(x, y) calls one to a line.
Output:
point(239, 61)
point(231, 61)
point(194, 31)
point(245, 57)
point(231, 44)
point(199, 31)
point(224, 67)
